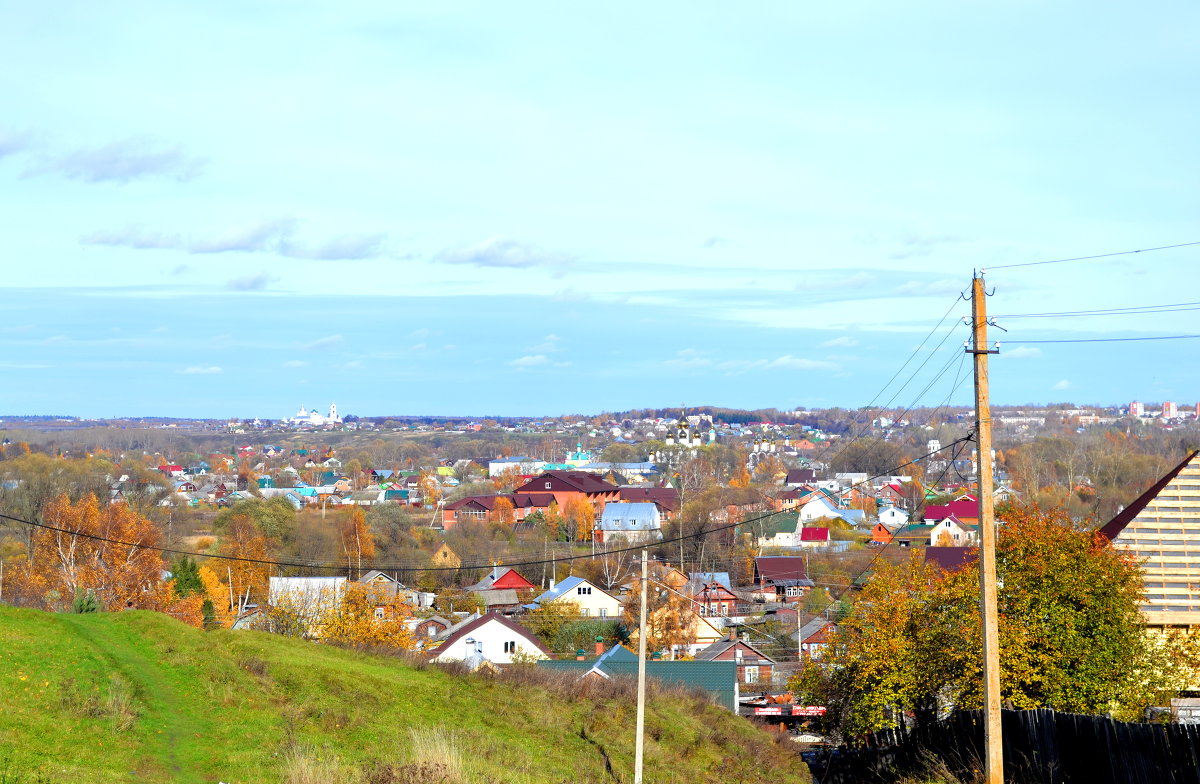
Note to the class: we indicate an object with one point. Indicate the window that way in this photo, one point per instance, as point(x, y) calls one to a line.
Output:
point(584, 590)
point(548, 485)
point(583, 611)
point(379, 614)
point(510, 646)
point(603, 612)
point(751, 675)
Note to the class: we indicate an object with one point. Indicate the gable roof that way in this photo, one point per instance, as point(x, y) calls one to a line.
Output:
point(774, 568)
point(501, 577)
point(630, 517)
point(580, 481)
point(565, 587)
point(491, 617)
point(1115, 526)
point(712, 652)
point(666, 497)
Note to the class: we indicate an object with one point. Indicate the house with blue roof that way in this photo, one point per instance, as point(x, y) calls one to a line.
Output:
point(629, 523)
point(593, 601)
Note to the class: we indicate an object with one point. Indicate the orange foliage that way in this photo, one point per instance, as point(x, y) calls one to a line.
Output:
point(62, 564)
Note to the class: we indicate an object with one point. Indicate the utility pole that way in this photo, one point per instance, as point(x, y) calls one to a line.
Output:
point(639, 747)
point(992, 735)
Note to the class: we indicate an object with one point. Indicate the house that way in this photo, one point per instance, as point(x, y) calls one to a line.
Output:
point(568, 485)
point(912, 535)
point(798, 477)
point(892, 516)
point(950, 532)
point(445, 558)
point(523, 465)
point(712, 598)
point(965, 509)
point(813, 536)
point(882, 533)
point(490, 637)
point(666, 498)
point(501, 600)
point(780, 578)
point(309, 598)
point(593, 601)
point(484, 507)
point(629, 523)
point(502, 578)
point(753, 666)
point(425, 629)
point(1161, 528)
point(814, 636)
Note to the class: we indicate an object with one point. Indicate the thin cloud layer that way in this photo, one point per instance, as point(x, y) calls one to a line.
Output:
point(274, 236)
point(122, 162)
point(503, 253)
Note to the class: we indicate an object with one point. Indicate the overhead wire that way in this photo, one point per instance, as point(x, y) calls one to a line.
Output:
point(1095, 256)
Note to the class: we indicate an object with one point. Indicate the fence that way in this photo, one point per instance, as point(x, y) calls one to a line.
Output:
point(1040, 747)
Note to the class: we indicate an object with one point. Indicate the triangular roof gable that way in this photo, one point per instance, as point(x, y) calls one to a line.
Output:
point(492, 617)
point(1115, 526)
point(510, 578)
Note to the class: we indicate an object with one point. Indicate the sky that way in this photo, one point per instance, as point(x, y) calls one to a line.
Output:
point(237, 209)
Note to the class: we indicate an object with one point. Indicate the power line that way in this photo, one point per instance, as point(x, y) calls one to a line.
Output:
point(1112, 340)
point(1109, 312)
point(1097, 256)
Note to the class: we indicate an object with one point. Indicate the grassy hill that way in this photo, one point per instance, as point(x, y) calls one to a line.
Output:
point(137, 696)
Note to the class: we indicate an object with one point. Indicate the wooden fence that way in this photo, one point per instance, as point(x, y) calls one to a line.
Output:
point(1040, 747)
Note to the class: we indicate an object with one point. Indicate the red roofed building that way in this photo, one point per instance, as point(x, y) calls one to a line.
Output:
point(966, 509)
point(666, 498)
point(483, 507)
point(566, 485)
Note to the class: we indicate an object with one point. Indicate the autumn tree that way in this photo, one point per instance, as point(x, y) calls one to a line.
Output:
point(357, 542)
point(550, 618)
point(1071, 636)
point(249, 552)
point(367, 616)
point(671, 618)
point(503, 511)
point(106, 550)
point(579, 518)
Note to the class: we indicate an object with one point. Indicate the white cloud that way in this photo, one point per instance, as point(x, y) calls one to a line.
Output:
point(198, 370)
point(843, 342)
point(327, 342)
point(530, 360)
point(1064, 384)
point(1022, 352)
point(502, 252)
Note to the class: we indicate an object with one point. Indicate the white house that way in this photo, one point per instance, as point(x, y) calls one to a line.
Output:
point(593, 601)
point(893, 517)
point(960, 534)
point(493, 638)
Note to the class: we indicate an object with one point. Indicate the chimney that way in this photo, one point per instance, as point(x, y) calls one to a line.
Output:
point(599, 645)
point(580, 655)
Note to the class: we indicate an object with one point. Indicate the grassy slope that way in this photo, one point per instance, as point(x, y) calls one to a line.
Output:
point(224, 706)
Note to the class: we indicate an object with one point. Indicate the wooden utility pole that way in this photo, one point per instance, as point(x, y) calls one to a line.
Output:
point(993, 739)
point(639, 743)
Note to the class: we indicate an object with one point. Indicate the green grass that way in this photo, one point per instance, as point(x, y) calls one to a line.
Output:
point(137, 696)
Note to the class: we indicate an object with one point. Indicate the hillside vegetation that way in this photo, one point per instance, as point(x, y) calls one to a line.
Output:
point(138, 696)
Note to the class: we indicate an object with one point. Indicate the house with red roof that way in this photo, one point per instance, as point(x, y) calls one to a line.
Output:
point(567, 485)
point(483, 507)
point(965, 509)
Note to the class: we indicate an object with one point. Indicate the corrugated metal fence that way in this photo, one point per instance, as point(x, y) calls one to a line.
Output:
point(1040, 747)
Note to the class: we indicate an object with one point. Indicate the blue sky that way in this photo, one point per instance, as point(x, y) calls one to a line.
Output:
point(232, 209)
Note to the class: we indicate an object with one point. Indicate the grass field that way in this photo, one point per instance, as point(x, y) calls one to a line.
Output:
point(137, 696)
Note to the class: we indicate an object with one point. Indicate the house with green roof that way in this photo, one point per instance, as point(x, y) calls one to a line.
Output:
point(719, 679)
